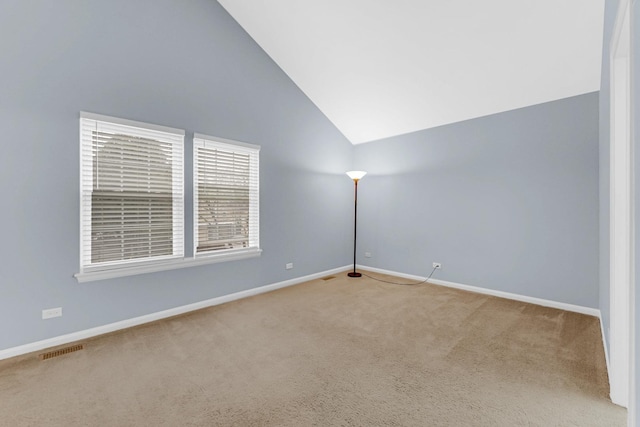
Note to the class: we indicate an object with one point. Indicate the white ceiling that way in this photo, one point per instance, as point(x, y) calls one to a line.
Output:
point(380, 68)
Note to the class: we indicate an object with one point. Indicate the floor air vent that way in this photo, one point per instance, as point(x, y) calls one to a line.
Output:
point(328, 278)
point(61, 351)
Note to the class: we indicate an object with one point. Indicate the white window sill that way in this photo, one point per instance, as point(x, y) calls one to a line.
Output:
point(89, 276)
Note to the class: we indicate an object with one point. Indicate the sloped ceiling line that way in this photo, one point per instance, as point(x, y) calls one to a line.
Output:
point(378, 68)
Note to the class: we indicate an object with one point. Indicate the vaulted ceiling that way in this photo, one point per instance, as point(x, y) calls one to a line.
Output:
point(380, 68)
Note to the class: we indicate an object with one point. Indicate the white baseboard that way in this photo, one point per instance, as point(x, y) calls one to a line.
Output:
point(523, 298)
point(123, 324)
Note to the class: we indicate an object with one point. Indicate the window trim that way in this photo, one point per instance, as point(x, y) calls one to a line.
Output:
point(171, 264)
point(223, 254)
point(112, 269)
point(126, 268)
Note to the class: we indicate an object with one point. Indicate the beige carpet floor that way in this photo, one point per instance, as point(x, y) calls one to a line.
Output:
point(341, 352)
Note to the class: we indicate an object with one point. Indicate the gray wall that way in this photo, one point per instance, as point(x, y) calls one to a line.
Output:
point(507, 202)
point(181, 64)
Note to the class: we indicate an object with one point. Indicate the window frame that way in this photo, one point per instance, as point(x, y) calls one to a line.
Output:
point(253, 151)
point(174, 137)
point(89, 273)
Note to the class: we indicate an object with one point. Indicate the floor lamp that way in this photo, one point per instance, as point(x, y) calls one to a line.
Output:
point(355, 176)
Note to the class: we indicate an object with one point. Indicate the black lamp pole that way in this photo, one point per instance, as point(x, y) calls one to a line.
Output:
point(355, 231)
point(354, 273)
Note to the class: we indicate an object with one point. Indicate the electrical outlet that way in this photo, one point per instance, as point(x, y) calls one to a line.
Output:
point(437, 265)
point(51, 312)
point(367, 254)
point(289, 266)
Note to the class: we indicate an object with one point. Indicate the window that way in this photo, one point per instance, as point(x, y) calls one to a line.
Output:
point(132, 193)
point(226, 196)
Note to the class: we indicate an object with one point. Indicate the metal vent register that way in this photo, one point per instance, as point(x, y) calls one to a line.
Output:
point(61, 351)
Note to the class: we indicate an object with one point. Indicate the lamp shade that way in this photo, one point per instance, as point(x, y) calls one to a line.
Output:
point(356, 175)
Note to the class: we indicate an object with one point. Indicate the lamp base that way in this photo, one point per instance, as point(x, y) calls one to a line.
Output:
point(354, 274)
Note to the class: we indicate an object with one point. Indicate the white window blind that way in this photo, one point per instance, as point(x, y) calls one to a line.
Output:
point(226, 195)
point(132, 192)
